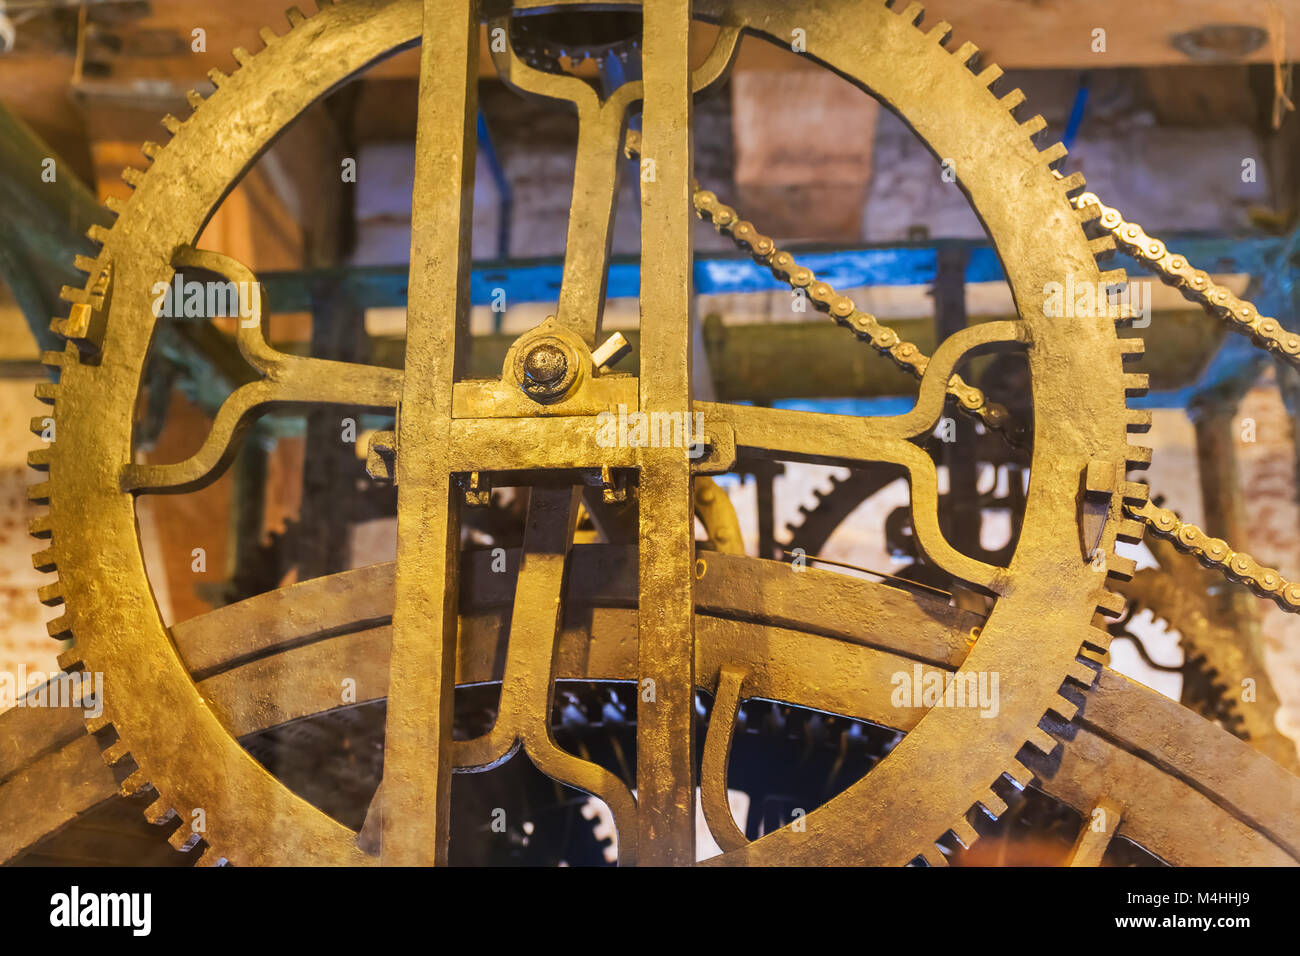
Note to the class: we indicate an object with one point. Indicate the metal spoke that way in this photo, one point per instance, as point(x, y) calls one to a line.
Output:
point(286, 380)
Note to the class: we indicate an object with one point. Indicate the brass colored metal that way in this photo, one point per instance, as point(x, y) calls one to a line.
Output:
point(717, 757)
point(669, 619)
point(1178, 776)
point(1196, 285)
point(666, 561)
point(597, 170)
point(718, 515)
point(417, 740)
point(1094, 837)
point(1216, 553)
point(580, 390)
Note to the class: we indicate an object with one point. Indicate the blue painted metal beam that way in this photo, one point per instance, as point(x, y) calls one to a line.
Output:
point(909, 264)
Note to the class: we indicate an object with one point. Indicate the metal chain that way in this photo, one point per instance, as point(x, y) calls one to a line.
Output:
point(1174, 270)
point(840, 307)
point(1242, 317)
point(1195, 284)
point(1215, 553)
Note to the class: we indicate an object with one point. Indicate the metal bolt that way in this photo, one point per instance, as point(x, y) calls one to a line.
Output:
point(545, 365)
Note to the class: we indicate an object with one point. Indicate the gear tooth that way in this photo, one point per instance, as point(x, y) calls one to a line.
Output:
point(1034, 125)
point(184, 839)
point(159, 812)
point(132, 176)
point(1063, 707)
point(70, 661)
point(133, 784)
point(84, 264)
point(1042, 741)
point(1103, 247)
point(1118, 566)
point(1097, 655)
point(52, 359)
point(39, 459)
point(38, 424)
point(217, 77)
point(242, 56)
point(60, 628)
point(268, 35)
point(45, 560)
point(914, 14)
point(74, 295)
point(46, 392)
point(95, 724)
point(1110, 603)
point(933, 856)
point(1021, 774)
point(1086, 212)
point(1130, 530)
point(1097, 638)
point(1084, 676)
point(1134, 493)
point(1013, 100)
point(295, 17)
point(992, 804)
point(1115, 279)
point(194, 98)
point(40, 526)
point(1073, 183)
point(1137, 456)
point(965, 833)
point(1124, 316)
point(97, 233)
point(51, 595)
point(39, 492)
point(210, 857)
point(941, 33)
point(1136, 384)
point(172, 124)
point(1054, 155)
point(990, 75)
point(1132, 348)
point(115, 753)
point(967, 52)
point(114, 204)
point(150, 149)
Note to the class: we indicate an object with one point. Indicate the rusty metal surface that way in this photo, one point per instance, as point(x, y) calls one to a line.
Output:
point(175, 733)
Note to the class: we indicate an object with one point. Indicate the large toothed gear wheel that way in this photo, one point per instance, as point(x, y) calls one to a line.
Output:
point(181, 737)
point(1170, 777)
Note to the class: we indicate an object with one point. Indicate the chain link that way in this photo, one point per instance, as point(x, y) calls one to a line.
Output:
point(1196, 285)
point(1215, 553)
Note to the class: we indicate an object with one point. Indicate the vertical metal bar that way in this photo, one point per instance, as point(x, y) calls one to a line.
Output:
point(417, 758)
point(666, 625)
